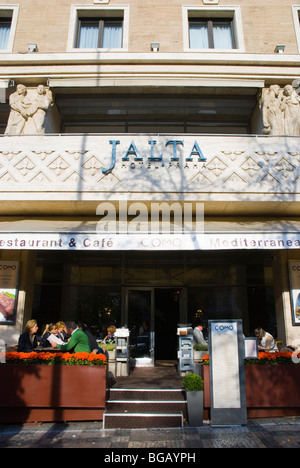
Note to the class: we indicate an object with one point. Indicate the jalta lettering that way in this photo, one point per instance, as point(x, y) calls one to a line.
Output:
point(133, 152)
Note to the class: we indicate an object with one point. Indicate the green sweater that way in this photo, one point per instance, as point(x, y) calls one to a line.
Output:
point(79, 341)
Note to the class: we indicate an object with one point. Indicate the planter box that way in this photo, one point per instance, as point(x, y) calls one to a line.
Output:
point(271, 390)
point(52, 393)
point(195, 408)
point(198, 355)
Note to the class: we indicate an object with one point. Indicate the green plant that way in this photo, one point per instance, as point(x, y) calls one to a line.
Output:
point(193, 383)
point(107, 346)
point(200, 347)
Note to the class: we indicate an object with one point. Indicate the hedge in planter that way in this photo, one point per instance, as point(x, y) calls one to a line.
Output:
point(193, 384)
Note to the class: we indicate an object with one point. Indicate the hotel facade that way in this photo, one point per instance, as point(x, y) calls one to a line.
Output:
point(149, 166)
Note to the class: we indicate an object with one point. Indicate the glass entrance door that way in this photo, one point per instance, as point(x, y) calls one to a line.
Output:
point(140, 318)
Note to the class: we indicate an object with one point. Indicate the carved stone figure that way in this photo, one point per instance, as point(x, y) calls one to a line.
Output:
point(28, 110)
point(290, 105)
point(18, 116)
point(273, 118)
point(280, 111)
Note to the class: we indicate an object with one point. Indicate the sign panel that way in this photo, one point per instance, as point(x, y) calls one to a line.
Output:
point(148, 242)
point(251, 348)
point(294, 272)
point(9, 272)
point(227, 377)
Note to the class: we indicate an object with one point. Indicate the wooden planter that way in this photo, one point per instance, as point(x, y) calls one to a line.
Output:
point(51, 393)
point(271, 390)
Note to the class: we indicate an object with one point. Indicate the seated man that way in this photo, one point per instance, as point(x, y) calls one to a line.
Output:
point(78, 343)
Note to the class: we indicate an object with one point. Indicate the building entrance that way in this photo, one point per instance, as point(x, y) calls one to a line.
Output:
point(152, 315)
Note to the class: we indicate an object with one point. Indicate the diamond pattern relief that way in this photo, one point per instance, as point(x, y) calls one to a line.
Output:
point(216, 166)
point(59, 165)
point(25, 166)
point(92, 165)
point(251, 166)
point(74, 177)
point(7, 177)
point(200, 178)
point(284, 167)
point(40, 178)
point(235, 178)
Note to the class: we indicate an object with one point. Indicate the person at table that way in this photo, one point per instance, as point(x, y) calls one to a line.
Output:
point(78, 343)
point(92, 340)
point(266, 341)
point(50, 329)
point(110, 337)
point(28, 340)
point(61, 331)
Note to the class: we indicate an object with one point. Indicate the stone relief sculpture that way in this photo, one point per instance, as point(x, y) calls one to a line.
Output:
point(28, 110)
point(290, 106)
point(280, 110)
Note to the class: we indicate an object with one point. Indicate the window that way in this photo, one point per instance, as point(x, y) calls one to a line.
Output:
point(100, 33)
point(213, 29)
point(5, 24)
point(296, 16)
point(211, 34)
point(98, 28)
point(8, 21)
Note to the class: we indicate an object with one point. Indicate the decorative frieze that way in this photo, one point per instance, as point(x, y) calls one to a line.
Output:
point(189, 164)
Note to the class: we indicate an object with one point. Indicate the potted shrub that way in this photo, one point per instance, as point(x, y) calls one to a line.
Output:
point(199, 351)
point(193, 384)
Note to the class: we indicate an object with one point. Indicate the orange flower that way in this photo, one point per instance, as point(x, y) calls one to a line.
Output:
point(56, 358)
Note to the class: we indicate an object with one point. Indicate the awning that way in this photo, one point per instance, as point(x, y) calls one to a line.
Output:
point(86, 234)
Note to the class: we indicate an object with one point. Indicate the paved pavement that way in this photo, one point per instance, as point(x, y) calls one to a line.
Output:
point(172, 443)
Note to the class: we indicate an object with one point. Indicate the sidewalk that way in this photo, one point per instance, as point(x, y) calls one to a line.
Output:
point(259, 433)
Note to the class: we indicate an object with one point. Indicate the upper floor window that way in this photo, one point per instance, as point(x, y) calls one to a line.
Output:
point(214, 28)
point(5, 24)
point(214, 33)
point(100, 33)
point(98, 28)
point(296, 15)
point(8, 20)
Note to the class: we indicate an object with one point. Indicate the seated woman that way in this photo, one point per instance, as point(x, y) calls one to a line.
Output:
point(61, 331)
point(28, 341)
point(49, 330)
point(266, 341)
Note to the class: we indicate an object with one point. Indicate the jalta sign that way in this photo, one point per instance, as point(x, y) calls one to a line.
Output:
point(133, 154)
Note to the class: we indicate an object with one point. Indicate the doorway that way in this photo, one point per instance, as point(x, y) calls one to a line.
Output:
point(152, 315)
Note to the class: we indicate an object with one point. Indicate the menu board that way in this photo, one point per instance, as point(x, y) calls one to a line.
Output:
point(9, 274)
point(227, 379)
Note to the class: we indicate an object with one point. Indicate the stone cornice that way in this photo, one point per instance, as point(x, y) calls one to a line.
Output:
point(278, 60)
